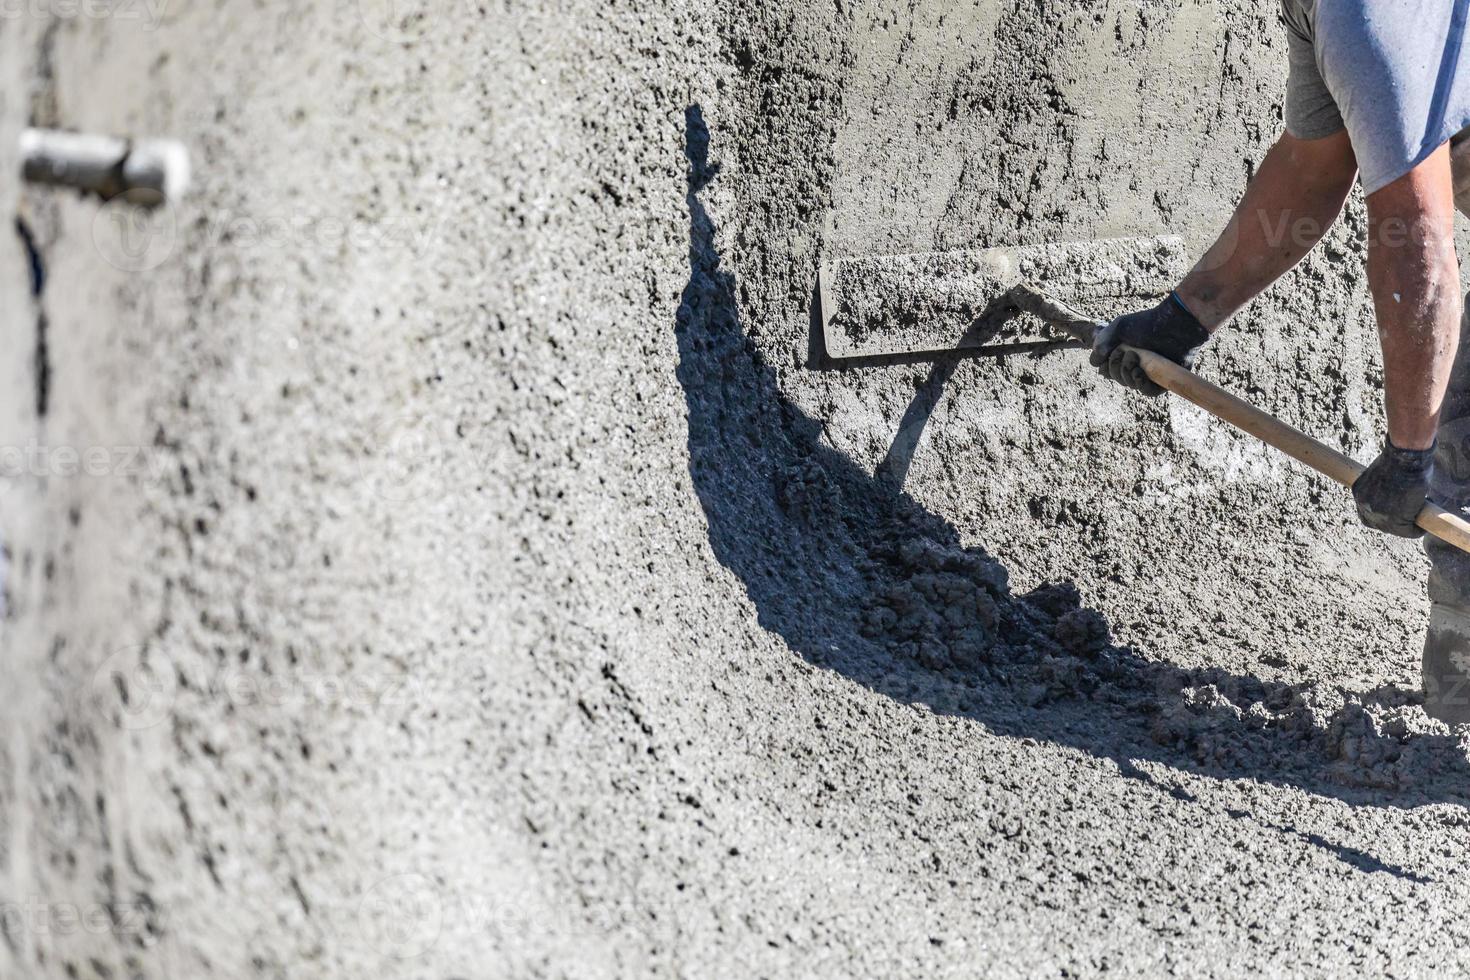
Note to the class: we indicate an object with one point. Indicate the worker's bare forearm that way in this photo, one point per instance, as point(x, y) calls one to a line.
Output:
point(1415, 280)
point(1295, 197)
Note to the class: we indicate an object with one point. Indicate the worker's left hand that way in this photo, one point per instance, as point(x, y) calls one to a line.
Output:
point(1392, 490)
point(1168, 329)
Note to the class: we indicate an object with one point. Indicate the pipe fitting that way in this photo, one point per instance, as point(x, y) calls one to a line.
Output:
point(158, 169)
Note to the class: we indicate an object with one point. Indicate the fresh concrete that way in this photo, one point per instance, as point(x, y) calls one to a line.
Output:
point(473, 576)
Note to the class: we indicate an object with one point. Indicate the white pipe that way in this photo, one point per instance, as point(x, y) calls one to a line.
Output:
point(104, 165)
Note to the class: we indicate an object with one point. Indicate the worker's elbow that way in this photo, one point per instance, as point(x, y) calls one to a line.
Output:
point(1416, 245)
point(1412, 219)
point(1328, 163)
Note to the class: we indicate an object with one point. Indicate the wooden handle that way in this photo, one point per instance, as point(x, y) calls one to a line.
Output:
point(1448, 527)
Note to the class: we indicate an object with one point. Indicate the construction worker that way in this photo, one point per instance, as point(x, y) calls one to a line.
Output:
point(1377, 89)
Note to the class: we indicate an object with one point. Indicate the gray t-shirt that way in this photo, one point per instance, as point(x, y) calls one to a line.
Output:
point(1396, 73)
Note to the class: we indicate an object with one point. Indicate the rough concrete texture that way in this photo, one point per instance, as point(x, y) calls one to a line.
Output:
point(473, 575)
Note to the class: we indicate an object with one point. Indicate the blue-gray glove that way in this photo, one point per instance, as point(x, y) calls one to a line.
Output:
point(1168, 329)
point(1392, 490)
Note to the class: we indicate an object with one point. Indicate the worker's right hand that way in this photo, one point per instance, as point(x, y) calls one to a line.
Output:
point(1392, 490)
point(1168, 329)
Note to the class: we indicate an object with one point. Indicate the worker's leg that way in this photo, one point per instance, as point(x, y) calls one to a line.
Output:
point(1447, 645)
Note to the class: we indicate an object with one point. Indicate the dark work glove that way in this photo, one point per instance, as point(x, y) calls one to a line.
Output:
point(1168, 329)
point(1392, 490)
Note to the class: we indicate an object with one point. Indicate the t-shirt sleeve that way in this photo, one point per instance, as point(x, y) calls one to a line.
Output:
point(1311, 112)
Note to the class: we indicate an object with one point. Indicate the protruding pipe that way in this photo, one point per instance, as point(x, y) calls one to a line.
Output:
point(105, 165)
